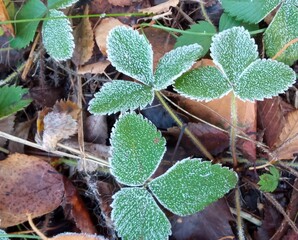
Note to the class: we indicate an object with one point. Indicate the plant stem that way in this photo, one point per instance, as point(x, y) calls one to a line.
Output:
point(238, 211)
point(99, 15)
point(19, 236)
point(203, 9)
point(233, 129)
point(180, 124)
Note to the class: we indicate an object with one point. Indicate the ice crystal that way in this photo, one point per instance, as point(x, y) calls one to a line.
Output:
point(57, 36)
point(120, 95)
point(131, 54)
point(174, 63)
point(137, 149)
point(137, 216)
point(191, 185)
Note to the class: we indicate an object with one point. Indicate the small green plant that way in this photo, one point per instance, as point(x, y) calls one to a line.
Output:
point(56, 33)
point(269, 181)
point(11, 100)
point(187, 187)
point(281, 30)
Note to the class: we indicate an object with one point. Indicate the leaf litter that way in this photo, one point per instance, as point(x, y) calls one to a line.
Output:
point(277, 125)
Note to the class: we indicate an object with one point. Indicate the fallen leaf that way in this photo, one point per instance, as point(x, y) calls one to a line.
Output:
point(7, 28)
point(218, 113)
point(214, 140)
point(78, 210)
point(120, 3)
point(211, 223)
point(84, 43)
point(96, 129)
point(271, 118)
point(161, 41)
point(27, 185)
point(77, 236)
point(102, 31)
point(287, 142)
point(6, 125)
point(160, 8)
point(21, 130)
point(94, 68)
point(59, 124)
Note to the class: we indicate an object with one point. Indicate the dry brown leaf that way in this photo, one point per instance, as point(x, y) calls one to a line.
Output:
point(27, 185)
point(287, 143)
point(161, 41)
point(84, 42)
point(94, 68)
point(7, 28)
point(21, 130)
point(79, 212)
point(96, 129)
point(160, 8)
point(102, 31)
point(76, 236)
point(6, 125)
point(218, 112)
point(120, 3)
point(271, 118)
point(59, 124)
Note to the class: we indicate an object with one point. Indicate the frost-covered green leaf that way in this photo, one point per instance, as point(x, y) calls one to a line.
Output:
point(204, 40)
point(120, 95)
point(283, 29)
point(204, 83)
point(252, 11)
point(174, 63)
point(238, 69)
point(232, 51)
point(2, 232)
point(137, 216)
point(269, 182)
point(226, 21)
point(191, 185)
point(57, 36)
point(137, 149)
point(264, 79)
point(25, 31)
point(130, 53)
point(11, 100)
point(60, 4)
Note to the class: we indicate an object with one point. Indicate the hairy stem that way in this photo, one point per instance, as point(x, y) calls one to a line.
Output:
point(180, 124)
point(238, 211)
point(233, 130)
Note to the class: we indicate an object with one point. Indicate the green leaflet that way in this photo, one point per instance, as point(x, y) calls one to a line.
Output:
point(25, 31)
point(191, 185)
point(174, 63)
point(11, 100)
point(226, 21)
point(269, 182)
point(252, 11)
point(137, 216)
point(3, 232)
point(120, 95)
point(57, 36)
point(204, 40)
point(283, 29)
point(264, 79)
point(131, 54)
point(238, 69)
point(137, 149)
point(204, 83)
point(232, 51)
